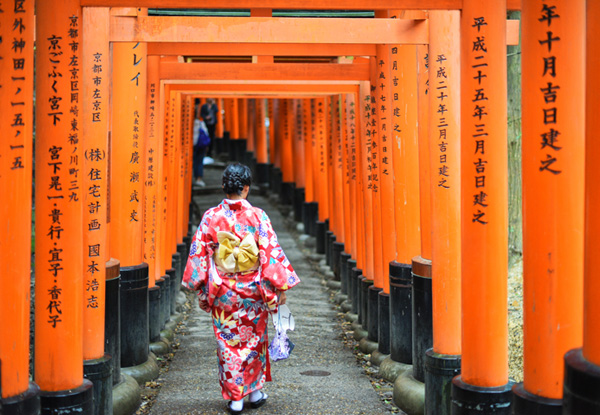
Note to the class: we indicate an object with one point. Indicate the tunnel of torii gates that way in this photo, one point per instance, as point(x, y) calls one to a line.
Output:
point(388, 135)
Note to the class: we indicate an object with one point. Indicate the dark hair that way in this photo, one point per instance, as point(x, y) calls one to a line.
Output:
point(235, 177)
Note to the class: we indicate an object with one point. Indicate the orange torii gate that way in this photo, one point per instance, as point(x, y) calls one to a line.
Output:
point(481, 81)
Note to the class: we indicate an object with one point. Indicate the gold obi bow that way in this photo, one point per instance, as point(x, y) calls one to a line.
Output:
point(234, 255)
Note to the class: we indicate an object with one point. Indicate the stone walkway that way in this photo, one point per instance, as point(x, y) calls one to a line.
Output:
point(191, 387)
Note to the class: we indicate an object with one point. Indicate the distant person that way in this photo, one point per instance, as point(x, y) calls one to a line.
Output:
point(241, 274)
point(201, 143)
point(209, 113)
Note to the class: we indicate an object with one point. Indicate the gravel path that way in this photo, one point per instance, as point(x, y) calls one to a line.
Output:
point(190, 385)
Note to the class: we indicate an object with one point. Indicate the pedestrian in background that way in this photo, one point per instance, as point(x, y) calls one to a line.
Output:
point(209, 113)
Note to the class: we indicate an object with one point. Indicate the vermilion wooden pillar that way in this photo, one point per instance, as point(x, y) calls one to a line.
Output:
point(366, 141)
point(444, 138)
point(299, 159)
point(310, 205)
point(582, 365)
point(261, 147)
point(355, 166)
point(414, 291)
point(58, 200)
point(321, 173)
point(243, 117)
point(95, 124)
point(373, 149)
point(126, 208)
point(287, 136)
point(152, 180)
point(423, 81)
point(271, 103)
point(553, 62)
point(235, 118)
point(382, 176)
point(484, 379)
point(220, 119)
point(16, 124)
point(129, 78)
point(349, 179)
point(338, 190)
point(251, 127)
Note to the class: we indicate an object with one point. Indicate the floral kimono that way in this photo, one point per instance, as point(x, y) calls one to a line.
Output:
point(238, 268)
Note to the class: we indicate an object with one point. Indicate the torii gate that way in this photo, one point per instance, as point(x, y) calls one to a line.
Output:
point(474, 358)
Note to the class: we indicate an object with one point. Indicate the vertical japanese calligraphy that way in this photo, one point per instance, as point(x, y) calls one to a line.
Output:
point(94, 142)
point(484, 193)
point(16, 124)
point(58, 199)
point(151, 175)
point(445, 201)
point(127, 151)
point(553, 152)
point(321, 159)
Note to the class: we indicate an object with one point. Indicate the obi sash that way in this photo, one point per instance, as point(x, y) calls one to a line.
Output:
point(235, 255)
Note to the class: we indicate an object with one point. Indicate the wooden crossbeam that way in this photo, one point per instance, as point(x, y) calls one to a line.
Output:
point(257, 49)
point(264, 71)
point(292, 4)
point(271, 89)
point(267, 30)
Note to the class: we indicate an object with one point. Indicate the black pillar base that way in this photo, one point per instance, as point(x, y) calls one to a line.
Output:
point(400, 312)
point(344, 270)
point(350, 265)
point(383, 339)
point(329, 240)
point(250, 161)
point(321, 235)
point(309, 217)
point(225, 144)
point(112, 317)
point(154, 316)
point(470, 400)
point(26, 403)
point(582, 383)
point(176, 264)
point(187, 242)
point(68, 402)
point(240, 148)
point(174, 289)
point(286, 196)
point(373, 313)
point(134, 315)
point(440, 369)
point(525, 403)
point(359, 298)
point(276, 180)
point(165, 300)
point(422, 315)
point(182, 249)
point(365, 284)
point(313, 218)
point(262, 173)
point(298, 202)
point(354, 288)
point(99, 372)
point(337, 249)
point(232, 145)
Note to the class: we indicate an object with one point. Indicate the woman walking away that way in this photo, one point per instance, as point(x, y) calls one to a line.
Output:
point(241, 274)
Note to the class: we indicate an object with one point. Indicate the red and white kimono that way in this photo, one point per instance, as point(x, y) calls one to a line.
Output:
point(239, 301)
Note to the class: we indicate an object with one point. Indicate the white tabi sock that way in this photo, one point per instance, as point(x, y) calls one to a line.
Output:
point(237, 405)
point(257, 396)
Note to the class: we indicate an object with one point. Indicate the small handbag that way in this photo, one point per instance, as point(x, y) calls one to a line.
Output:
point(281, 346)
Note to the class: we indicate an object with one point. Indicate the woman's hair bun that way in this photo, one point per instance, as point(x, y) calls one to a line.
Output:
point(235, 177)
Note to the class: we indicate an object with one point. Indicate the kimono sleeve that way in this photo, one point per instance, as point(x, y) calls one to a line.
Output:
point(277, 273)
point(196, 274)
